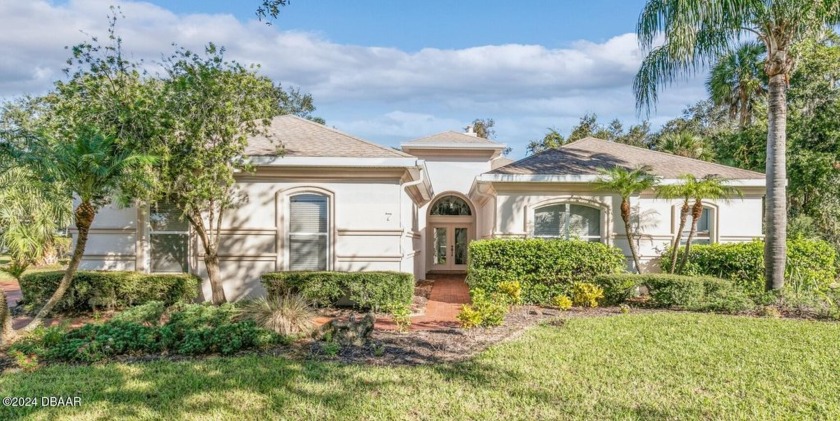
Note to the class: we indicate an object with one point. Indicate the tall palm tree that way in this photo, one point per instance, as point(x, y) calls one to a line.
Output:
point(706, 188)
point(92, 168)
point(736, 81)
point(684, 144)
point(685, 191)
point(627, 183)
point(695, 33)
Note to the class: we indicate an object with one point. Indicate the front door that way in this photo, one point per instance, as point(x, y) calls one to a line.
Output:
point(449, 247)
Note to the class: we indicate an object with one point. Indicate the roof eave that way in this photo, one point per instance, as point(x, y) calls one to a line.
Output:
point(312, 161)
point(591, 178)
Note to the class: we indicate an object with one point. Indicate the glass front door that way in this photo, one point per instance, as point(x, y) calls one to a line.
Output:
point(449, 247)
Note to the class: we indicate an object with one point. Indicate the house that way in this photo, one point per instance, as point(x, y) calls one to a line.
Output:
point(333, 201)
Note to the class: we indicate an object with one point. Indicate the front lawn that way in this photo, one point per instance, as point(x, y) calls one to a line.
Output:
point(665, 365)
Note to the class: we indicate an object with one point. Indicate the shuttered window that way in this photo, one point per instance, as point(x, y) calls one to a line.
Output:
point(308, 232)
point(168, 238)
point(566, 220)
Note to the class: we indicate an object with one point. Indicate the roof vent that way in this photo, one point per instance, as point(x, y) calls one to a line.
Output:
point(470, 131)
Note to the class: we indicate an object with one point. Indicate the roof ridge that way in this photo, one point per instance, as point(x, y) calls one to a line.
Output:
point(484, 139)
point(324, 126)
point(668, 154)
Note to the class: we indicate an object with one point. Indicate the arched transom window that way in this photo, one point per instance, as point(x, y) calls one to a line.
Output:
point(451, 206)
point(567, 220)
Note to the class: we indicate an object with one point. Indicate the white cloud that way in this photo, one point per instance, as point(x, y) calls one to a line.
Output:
point(432, 87)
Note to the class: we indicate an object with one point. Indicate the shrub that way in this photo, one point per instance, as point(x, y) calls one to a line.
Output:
point(544, 268)
point(562, 302)
point(469, 317)
point(585, 294)
point(486, 310)
point(695, 293)
point(284, 315)
point(401, 314)
point(148, 313)
point(811, 263)
point(512, 291)
point(111, 289)
point(618, 287)
point(364, 290)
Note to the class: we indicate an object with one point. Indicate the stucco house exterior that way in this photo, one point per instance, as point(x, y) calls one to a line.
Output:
point(333, 201)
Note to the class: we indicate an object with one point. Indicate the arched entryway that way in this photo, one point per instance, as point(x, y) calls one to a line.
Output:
point(451, 222)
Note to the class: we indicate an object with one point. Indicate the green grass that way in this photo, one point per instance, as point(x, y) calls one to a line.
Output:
point(4, 260)
point(636, 366)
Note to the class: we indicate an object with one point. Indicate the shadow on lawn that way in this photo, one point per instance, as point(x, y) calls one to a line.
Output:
point(214, 386)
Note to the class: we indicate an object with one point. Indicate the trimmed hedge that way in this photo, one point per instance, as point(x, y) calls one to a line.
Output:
point(811, 263)
point(365, 290)
point(545, 268)
point(696, 293)
point(109, 289)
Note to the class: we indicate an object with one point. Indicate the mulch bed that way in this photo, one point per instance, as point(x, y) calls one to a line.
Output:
point(446, 345)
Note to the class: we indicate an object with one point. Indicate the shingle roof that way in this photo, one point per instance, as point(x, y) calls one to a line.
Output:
point(451, 138)
point(303, 138)
point(585, 156)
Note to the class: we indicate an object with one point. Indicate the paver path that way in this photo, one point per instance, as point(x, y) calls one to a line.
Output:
point(449, 293)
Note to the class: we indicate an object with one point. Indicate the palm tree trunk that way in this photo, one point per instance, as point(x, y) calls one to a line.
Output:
point(696, 213)
point(683, 218)
point(775, 247)
point(625, 215)
point(84, 214)
point(8, 333)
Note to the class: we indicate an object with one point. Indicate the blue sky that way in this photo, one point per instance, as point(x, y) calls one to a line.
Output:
point(387, 71)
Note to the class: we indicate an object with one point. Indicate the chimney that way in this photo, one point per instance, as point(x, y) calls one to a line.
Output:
point(470, 131)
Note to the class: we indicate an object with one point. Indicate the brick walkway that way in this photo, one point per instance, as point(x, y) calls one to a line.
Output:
point(449, 293)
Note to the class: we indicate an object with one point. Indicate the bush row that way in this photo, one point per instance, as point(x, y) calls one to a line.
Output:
point(696, 293)
point(108, 289)
point(191, 329)
point(365, 290)
point(544, 268)
point(811, 263)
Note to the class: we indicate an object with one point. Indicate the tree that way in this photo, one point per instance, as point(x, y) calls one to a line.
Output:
point(684, 144)
point(270, 9)
point(706, 188)
point(93, 169)
point(694, 33)
point(685, 191)
point(627, 183)
point(736, 81)
point(212, 105)
point(293, 101)
point(552, 140)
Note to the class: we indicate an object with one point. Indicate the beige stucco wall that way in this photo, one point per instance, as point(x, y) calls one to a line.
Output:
point(737, 220)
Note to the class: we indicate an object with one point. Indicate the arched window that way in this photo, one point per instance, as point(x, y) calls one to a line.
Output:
point(567, 220)
point(451, 206)
point(308, 232)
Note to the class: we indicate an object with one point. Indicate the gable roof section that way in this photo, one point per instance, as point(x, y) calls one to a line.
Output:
point(583, 158)
point(452, 139)
point(299, 137)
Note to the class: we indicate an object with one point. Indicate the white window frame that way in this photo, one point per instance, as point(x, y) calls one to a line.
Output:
point(566, 227)
point(327, 234)
point(711, 237)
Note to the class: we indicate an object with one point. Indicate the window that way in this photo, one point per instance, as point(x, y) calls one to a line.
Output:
point(169, 239)
point(308, 232)
point(704, 229)
point(451, 206)
point(565, 220)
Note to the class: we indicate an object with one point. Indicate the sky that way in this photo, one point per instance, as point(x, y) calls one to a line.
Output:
point(386, 71)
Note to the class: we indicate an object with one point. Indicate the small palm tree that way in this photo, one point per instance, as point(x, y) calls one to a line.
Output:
point(679, 37)
point(92, 168)
point(736, 81)
point(627, 183)
point(706, 188)
point(685, 191)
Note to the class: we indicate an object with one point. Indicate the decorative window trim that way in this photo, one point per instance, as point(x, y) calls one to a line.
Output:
point(283, 221)
point(604, 208)
point(714, 223)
